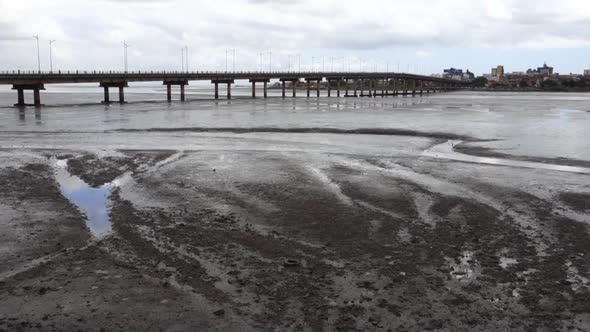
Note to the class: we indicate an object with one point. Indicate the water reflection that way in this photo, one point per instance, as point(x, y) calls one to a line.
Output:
point(94, 202)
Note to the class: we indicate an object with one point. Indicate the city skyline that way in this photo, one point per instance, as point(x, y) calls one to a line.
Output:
point(420, 36)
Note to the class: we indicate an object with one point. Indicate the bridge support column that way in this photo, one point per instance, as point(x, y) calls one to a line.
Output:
point(318, 87)
point(216, 90)
point(329, 89)
point(421, 87)
point(355, 84)
point(228, 90)
point(308, 88)
point(283, 87)
point(375, 83)
point(121, 95)
point(265, 89)
point(36, 97)
point(106, 95)
point(405, 88)
point(21, 97)
point(182, 92)
point(294, 83)
point(346, 87)
point(169, 92)
point(413, 88)
point(362, 88)
point(338, 88)
point(383, 86)
point(253, 89)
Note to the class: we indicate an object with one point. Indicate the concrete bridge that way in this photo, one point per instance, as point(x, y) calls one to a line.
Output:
point(347, 84)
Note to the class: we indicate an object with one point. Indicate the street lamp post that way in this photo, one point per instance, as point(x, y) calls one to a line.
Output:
point(299, 62)
point(186, 57)
point(125, 60)
point(38, 53)
point(182, 59)
point(51, 56)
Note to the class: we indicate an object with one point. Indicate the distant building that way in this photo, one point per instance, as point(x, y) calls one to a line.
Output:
point(543, 71)
point(587, 72)
point(498, 71)
point(458, 74)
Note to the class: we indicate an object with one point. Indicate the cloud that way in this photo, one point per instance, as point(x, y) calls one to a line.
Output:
point(90, 33)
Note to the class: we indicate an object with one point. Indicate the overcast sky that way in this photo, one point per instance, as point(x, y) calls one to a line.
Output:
point(421, 36)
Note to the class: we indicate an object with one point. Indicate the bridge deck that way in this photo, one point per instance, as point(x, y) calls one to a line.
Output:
point(101, 77)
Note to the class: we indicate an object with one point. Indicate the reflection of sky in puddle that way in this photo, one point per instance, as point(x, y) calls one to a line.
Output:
point(92, 201)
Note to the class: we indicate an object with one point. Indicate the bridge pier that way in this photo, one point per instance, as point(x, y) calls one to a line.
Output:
point(261, 80)
point(121, 95)
point(375, 83)
point(338, 88)
point(283, 86)
point(318, 87)
point(293, 81)
point(346, 83)
point(413, 88)
point(229, 82)
point(169, 85)
point(21, 97)
point(362, 94)
point(265, 89)
point(107, 85)
point(21, 93)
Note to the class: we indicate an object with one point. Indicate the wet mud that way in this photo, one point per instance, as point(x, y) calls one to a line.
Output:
point(209, 240)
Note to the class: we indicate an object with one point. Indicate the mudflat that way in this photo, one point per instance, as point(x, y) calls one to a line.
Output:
point(266, 230)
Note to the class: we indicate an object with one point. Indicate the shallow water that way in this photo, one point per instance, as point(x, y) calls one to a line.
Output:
point(544, 125)
point(93, 202)
point(445, 151)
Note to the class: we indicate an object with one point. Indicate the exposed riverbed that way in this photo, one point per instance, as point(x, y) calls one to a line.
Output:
point(461, 211)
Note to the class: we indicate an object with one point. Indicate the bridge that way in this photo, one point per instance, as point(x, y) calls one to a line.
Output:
point(369, 84)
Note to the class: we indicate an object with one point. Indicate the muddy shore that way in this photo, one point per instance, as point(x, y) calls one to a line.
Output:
point(255, 240)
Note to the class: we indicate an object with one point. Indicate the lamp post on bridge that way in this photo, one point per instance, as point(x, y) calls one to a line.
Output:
point(38, 53)
point(125, 61)
point(299, 62)
point(182, 59)
point(233, 52)
point(186, 57)
point(51, 55)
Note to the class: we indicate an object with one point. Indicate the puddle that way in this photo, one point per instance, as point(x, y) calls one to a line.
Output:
point(445, 151)
point(94, 202)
